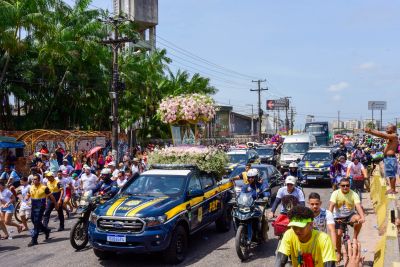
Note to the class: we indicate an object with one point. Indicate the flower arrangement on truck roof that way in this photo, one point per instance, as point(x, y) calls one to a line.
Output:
point(207, 159)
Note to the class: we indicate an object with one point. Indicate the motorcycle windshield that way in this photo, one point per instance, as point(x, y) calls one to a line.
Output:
point(245, 199)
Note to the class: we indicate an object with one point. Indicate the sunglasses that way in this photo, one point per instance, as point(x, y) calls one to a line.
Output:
point(344, 185)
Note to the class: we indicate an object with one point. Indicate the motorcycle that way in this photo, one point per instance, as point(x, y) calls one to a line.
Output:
point(247, 218)
point(79, 232)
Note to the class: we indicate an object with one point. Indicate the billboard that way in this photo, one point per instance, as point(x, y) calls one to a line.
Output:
point(278, 104)
point(377, 105)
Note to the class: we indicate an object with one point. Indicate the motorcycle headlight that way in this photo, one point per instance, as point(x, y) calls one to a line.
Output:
point(154, 221)
point(93, 218)
point(244, 209)
point(327, 169)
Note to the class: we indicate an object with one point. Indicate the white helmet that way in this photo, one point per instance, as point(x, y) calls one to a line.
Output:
point(290, 180)
point(293, 165)
point(253, 173)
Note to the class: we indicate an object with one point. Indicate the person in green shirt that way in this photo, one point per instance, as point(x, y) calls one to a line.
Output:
point(303, 244)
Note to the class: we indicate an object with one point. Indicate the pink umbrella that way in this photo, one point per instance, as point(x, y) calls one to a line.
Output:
point(93, 150)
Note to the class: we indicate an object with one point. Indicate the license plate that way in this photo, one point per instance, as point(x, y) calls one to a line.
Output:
point(311, 177)
point(116, 238)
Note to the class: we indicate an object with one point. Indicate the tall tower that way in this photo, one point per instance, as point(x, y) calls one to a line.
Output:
point(144, 13)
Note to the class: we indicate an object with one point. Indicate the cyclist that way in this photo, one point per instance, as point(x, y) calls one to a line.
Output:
point(343, 203)
point(289, 189)
point(11, 179)
point(323, 219)
point(257, 189)
point(357, 172)
point(303, 244)
point(335, 173)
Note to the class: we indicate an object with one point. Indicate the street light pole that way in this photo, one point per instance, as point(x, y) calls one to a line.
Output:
point(260, 112)
point(115, 43)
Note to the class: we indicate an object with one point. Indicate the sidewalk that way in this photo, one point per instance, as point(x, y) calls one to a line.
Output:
point(369, 234)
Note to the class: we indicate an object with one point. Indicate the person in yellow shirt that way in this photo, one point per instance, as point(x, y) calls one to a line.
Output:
point(243, 175)
point(38, 194)
point(303, 244)
point(57, 191)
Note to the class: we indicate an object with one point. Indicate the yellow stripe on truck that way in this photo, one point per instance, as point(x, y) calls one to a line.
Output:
point(132, 212)
point(193, 202)
point(113, 208)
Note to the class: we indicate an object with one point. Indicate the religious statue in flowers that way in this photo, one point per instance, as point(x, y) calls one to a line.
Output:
point(184, 113)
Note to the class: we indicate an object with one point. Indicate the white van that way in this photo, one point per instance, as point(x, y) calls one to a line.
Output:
point(294, 147)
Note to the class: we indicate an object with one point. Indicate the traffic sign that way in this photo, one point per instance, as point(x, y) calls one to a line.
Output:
point(278, 104)
point(377, 105)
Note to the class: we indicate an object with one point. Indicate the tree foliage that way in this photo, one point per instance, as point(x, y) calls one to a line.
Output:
point(53, 63)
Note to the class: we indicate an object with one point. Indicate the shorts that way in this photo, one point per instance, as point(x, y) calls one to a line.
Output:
point(9, 209)
point(68, 193)
point(25, 212)
point(339, 225)
point(390, 167)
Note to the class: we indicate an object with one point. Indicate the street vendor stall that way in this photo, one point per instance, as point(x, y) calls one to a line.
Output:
point(10, 151)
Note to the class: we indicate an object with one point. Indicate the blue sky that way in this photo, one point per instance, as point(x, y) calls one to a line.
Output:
point(326, 55)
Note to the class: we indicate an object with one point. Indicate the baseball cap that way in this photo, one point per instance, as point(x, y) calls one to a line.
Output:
point(48, 174)
point(65, 172)
point(112, 163)
point(85, 166)
point(299, 222)
point(290, 180)
point(65, 160)
point(74, 175)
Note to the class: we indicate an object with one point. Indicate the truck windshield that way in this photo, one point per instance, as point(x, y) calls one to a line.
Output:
point(157, 185)
point(317, 157)
point(237, 158)
point(265, 152)
point(295, 147)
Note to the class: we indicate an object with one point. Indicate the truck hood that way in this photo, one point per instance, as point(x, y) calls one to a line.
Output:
point(314, 164)
point(292, 156)
point(136, 206)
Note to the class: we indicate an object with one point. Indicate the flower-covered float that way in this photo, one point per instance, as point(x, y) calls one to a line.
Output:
point(207, 159)
point(184, 113)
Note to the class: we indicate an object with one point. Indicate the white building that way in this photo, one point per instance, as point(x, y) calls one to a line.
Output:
point(336, 125)
point(352, 124)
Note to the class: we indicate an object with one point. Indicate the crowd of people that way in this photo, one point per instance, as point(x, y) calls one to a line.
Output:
point(56, 181)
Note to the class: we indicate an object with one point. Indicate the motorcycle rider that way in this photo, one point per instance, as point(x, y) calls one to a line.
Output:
point(243, 175)
point(289, 189)
point(257, 189)
point(106, 185)
point(293, 170)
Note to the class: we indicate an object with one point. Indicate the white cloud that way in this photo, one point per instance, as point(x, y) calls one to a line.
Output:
point(337, 97)
point(367, 66)
point(338, 87)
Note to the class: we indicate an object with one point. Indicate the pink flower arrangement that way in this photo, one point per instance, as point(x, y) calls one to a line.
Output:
point(186, 109)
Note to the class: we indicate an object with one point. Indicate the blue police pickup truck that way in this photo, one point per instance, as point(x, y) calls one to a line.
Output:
point(158, 211)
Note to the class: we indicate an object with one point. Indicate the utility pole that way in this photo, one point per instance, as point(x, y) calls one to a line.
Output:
point(252, 118)
point(286, 113)
point(291, 120)
point(338, 120)
point(115, 44)
point(260, 112)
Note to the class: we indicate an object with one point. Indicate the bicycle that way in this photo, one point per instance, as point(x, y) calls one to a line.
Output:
point(345, 229)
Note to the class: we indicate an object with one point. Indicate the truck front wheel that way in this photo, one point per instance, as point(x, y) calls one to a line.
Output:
point(176, 252)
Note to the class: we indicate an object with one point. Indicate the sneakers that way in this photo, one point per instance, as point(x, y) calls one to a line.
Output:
point(47, 234)
point(32, 243)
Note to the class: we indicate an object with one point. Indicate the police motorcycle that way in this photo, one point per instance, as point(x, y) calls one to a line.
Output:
point(248, 215)
point(79, 232)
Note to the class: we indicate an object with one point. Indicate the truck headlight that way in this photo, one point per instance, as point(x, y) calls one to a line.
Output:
point(93, 218)
point(154, 221)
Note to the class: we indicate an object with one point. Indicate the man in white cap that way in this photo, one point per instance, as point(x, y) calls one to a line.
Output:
point(114, 171)
point(289, 189)
point(135, 166)
point(65, 166)
point(88, 180)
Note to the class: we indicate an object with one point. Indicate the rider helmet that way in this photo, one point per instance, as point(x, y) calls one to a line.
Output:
point(293, 165)
point(290, 180)
point(253, 173)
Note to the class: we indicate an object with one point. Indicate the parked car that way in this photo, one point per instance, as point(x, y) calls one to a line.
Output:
point(159, 210)
point(270, 175)
point(268, 155)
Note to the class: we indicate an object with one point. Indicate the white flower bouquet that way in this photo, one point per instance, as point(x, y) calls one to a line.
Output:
point(207, 159)
point(186, 109)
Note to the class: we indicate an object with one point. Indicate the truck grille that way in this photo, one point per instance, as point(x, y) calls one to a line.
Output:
point(116, 224)
point(314, 173)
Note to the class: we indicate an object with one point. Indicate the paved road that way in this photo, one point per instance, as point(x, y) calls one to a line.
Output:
point(207, 248)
